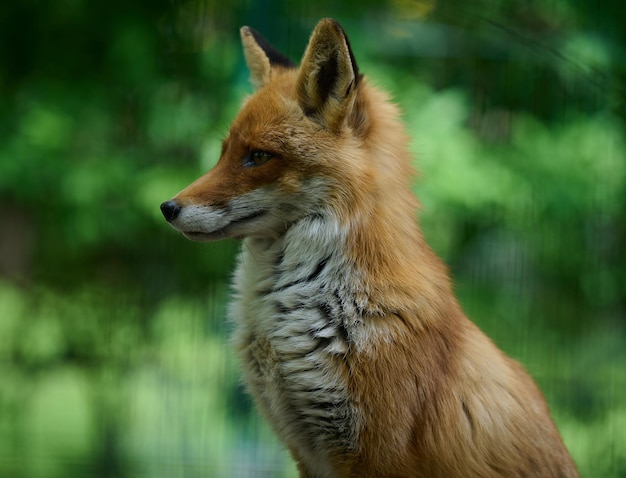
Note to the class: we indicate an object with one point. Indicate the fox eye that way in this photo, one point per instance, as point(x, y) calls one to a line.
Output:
point(256, 158)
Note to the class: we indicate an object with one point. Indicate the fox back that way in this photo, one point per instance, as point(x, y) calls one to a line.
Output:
point(351, 341)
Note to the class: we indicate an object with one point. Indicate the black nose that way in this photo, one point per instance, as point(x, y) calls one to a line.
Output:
point(170, 210)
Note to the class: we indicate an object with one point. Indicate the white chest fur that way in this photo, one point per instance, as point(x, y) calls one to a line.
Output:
point(297, 316)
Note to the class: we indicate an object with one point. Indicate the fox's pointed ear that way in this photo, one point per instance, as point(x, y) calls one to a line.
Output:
point(261, 57)
point(328, 76)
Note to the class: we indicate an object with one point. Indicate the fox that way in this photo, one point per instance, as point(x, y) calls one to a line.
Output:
point(349, 336)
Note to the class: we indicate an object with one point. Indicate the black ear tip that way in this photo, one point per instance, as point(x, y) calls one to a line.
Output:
point(337, 25)
point(330, 24)
point(275, 57)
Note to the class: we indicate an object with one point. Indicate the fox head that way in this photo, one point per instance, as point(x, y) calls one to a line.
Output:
point(296, 148)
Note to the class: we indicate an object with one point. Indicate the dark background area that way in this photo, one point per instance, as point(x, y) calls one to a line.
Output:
point(114, 358)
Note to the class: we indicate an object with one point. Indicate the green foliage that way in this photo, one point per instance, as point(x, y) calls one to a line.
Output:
point(161, 384)
point(113, 351)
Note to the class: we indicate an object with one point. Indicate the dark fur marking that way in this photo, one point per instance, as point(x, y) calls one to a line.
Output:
point(275, 57)
point(318, 270)
point(468, 415)
point(337, 412)
point(314, 275)
point(282, 308)
point(320, 343)
point(359, 309)
point(336, 319)
point(327, 76)
point(355, 67)
point(341, 327)
point(278, 265)
point(341, 314)
point(327, 310)
point(320, 389)
point(326, 405)
point(323, 342)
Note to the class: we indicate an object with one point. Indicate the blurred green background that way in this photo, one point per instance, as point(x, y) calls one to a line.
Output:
point(114, 360)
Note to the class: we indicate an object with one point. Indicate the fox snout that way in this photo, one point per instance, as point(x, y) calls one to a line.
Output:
point(170, 210)
point(250, 215)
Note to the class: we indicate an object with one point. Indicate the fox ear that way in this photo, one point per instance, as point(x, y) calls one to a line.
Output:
point(261, 57)
point(328, 76)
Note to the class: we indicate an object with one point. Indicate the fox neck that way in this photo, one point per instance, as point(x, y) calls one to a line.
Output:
point(380, 259)
point(303, 303)
point(379, 229)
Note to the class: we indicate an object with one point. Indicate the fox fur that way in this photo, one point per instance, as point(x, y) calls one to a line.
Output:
point(351, 341)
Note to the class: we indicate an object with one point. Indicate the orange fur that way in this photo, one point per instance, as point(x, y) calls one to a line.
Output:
point(404, 384)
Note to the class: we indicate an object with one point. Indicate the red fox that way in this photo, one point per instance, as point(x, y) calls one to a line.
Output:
point(351, 341)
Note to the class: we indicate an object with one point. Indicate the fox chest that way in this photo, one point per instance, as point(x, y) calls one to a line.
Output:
point(293, 340)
